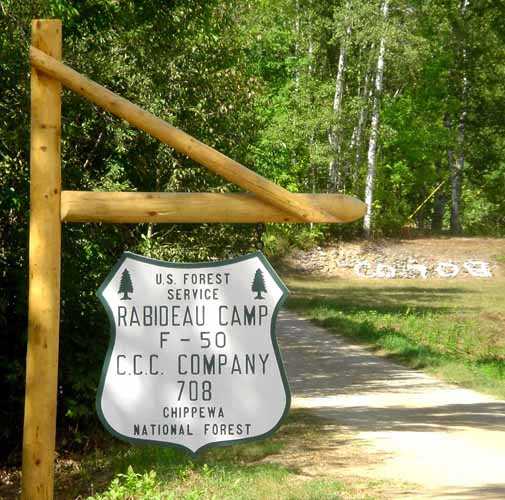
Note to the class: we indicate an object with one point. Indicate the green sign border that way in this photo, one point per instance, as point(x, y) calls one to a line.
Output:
point(112, 340)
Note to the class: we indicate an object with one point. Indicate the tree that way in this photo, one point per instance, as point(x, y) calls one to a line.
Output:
point(374, 129)
point(258, 285)
point(458, 165)
point(126, 285)
point(364, 96)
point(334, 132)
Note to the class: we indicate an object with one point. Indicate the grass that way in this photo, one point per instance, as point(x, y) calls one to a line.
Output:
point(218, 481)
point(242, 472)
point(454, 329)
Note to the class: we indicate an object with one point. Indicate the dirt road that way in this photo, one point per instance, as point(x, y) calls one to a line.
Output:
point(448, 442)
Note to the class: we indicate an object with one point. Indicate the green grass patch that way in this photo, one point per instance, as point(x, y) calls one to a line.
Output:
point(500, 259)
point(218, 482)
point(243, 472)
point(454, 329)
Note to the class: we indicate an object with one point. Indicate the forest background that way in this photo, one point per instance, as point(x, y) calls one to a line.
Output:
point(398, 102)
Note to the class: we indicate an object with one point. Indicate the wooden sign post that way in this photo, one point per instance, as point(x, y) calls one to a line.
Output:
point(44, 271)
point(49, 206)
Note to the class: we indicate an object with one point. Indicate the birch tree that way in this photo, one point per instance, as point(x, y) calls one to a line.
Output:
point(334, 132)
point(310, 70)
point(459, 163)
point(374, 127)
point(357, 133)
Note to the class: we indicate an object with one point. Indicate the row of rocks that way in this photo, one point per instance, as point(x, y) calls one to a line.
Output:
point(375, 262)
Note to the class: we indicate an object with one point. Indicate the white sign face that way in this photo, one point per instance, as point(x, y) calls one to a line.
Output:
point(192, 360)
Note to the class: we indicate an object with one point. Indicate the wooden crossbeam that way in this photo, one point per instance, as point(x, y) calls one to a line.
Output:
point(114, 207)
point(215, 161)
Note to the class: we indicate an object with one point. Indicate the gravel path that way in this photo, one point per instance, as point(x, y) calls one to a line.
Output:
point(448, 441)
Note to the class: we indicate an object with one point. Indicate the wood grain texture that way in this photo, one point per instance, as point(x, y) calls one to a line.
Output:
point(114, 207)
point(215, 161)
point(44, 271)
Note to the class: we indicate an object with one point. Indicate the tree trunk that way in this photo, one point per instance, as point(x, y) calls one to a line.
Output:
point(439, 203)
point(437, 218)
point(334, 133)
point(374, 130)
point(313, 164)
point(297, 44)
point(458, 165)
point(357, 134)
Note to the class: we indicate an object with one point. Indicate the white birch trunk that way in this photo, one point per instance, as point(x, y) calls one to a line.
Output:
point(374, 130)
point(313, 165)
point(297, 44)
point(334, 135)
point(458, 165)
point(357, 134)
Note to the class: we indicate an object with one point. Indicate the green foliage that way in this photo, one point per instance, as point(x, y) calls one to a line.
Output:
point(132, 485)
point(280, 239)
point(295, 52)
point(484, 213)
point(182, 60)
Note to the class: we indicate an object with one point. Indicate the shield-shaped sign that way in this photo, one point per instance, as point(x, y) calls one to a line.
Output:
point(193, 359)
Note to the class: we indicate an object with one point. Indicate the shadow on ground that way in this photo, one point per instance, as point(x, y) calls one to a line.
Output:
point(446, 418)
point(489, 492)
point(327, 366)
point(388, 299)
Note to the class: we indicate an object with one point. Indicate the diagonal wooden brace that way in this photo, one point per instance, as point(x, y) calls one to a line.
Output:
point(215, 161)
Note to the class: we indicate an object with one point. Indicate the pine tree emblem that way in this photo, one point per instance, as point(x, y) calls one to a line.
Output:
point(258, 284)
point(126, 285)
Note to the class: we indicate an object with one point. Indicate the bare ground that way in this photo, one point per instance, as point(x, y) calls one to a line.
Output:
point(320, 448)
